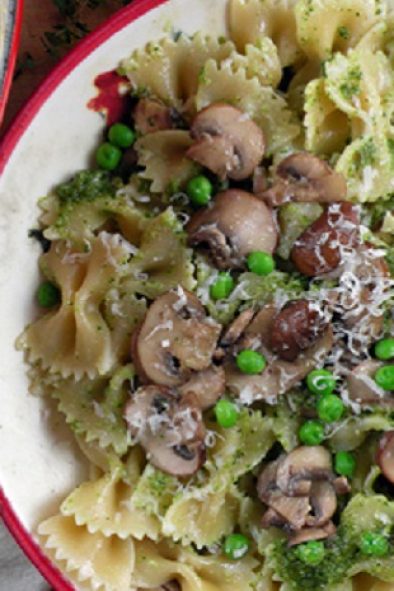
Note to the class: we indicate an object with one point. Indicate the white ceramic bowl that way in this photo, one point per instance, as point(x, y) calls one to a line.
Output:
point(54, 136)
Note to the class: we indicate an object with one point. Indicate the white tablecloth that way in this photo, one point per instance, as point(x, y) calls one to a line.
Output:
point(16, 572)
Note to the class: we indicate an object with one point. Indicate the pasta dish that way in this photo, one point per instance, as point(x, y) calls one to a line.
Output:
point(216, 319)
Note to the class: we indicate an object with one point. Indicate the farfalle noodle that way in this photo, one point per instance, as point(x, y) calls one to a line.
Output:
point(75, 339)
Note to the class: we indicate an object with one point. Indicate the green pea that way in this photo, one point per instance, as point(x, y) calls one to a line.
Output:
point(199, 190)
point(121, 135)
point(384, 377)
point(345, 463)
point(251, 362)
point(374, 544)
point(330, 408)
point(108, 157)
point(48, 295)
point(311, 433)
point(260, 263)
point(222, 287)
point(320, 381)
point(384, 349)
point(226, 413)
point(236, 546)
point(311, 553)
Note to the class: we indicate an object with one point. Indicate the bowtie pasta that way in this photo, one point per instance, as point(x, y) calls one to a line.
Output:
point(217, 322)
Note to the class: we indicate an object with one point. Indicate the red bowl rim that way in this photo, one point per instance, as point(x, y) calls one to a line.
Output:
point(11, 61)
point(118, 21)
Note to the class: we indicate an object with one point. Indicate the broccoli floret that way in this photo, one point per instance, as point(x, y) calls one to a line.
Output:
point(86, 185)
point(374, 214)
point(87, 202)
point(343, 557)
point(340, 555)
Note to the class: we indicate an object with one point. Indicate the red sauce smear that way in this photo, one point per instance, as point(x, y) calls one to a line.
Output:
point(113, 100)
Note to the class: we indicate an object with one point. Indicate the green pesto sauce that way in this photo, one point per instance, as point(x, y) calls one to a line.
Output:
point(340, 555)
point(343, 32)
point(390, 260)
point(390, 145)
point(158, 482)
point(365, 156)
point(86, 185)
point(377, 211)
point(351, 86)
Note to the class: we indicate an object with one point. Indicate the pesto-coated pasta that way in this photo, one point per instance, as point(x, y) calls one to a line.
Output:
point(217, 321)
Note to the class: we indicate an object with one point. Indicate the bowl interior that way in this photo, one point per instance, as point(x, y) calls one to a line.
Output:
point(56, 134)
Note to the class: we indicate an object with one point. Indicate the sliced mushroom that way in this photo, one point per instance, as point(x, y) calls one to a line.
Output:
point(266, 482)
point(175, 339)
point(237, 327)
point(320, 249)
point(227, 141)
point(300, 490)
point(309, 534)
point(323, 501)
point(169, 427)
point(260, 181)
point(302, 466)
point(272, 519)
point(294, 510)
point(236, 224)
point(290, 509)
point(303, 177)
point(207, 386)
point(385, 455)
point(152, 115)
point(295, 328)
point(257, 334)
point(279, 376)
point(362, 387)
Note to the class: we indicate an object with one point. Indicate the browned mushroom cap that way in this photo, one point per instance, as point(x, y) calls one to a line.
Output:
point(279, 376)
point(169, 427)
point(361, 308)
point(320, 248)
point(309, 534)
point(236, 224)
point(296, 327)
point(152, 115)
point(227, 141)
point(362, 387)
point(175, 338)
point(385, 455)
point(237, 327)
point(207, 386)
point(303, 177)
point(302, 466)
